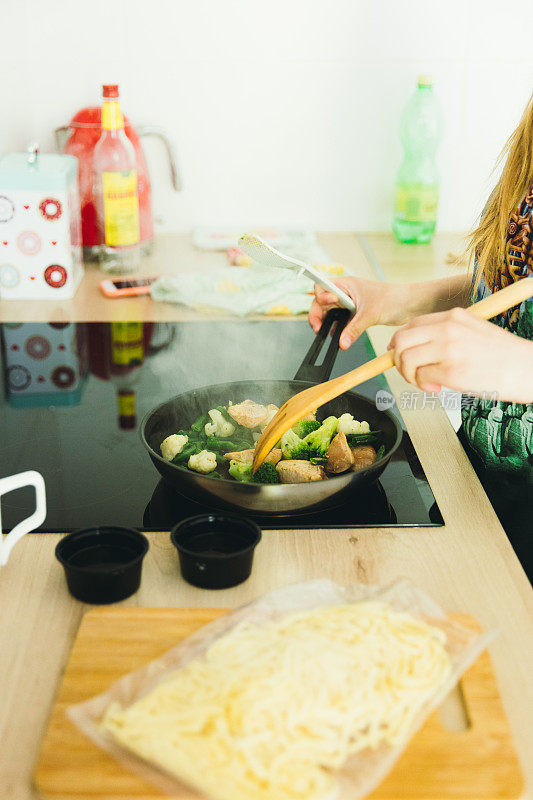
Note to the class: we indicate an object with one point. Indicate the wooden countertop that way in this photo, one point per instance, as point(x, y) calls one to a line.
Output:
point(468, 565)
point(171, 255)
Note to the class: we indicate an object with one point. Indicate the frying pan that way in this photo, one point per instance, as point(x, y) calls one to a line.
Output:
point(181, 411)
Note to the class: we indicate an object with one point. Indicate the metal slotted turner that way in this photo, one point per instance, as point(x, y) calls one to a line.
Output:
point(264, 254)
point(310, 399)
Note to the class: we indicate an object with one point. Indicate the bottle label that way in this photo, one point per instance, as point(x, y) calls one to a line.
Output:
point(126, 403)
point(121, 208)
point(127, 346)
point(112, 119)
point(416, 203)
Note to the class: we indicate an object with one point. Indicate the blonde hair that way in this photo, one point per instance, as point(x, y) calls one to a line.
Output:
point(486, 243)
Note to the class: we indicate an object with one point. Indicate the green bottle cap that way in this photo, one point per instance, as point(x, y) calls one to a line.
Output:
point(425, 81)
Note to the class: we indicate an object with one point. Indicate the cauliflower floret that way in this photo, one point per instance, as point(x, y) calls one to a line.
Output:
point(203, 462)
point(347, 425)
point(219, 426)
point(172, 445)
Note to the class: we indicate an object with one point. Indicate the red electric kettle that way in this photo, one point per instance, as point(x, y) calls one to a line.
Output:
point(79, 138)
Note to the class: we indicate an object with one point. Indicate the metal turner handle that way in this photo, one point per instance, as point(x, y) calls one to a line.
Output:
point(264, 254)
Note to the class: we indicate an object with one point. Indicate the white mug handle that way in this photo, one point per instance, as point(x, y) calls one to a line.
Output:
point(29, 478)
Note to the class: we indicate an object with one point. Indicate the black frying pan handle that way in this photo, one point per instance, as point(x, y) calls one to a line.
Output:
point(309, 371)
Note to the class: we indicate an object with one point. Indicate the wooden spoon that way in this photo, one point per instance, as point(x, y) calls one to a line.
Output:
point(310, 399)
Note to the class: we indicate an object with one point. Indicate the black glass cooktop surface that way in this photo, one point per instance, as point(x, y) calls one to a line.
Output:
point(74, 395)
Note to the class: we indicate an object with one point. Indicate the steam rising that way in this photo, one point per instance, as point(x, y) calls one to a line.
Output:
point(221, 352)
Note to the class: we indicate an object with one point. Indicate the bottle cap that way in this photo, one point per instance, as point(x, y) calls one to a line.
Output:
point(425, 80)
point(110, 90)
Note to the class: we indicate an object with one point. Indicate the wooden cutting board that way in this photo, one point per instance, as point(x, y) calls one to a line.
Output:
point(479, 762)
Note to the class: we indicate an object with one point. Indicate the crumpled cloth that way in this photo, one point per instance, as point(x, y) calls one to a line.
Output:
point(258, 290)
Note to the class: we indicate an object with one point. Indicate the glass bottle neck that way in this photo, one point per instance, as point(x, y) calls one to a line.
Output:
point(112, 119)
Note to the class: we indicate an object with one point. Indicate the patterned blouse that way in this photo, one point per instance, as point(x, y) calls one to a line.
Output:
point(502, 433)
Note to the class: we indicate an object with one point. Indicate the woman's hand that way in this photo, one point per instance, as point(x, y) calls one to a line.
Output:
point(373, 301)
point(456, 349)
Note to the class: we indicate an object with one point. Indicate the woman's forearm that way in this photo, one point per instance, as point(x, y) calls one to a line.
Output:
point(382, 303)
point(425, 297)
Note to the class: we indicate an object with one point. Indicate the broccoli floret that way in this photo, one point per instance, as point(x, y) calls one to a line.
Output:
point(292, 447)
point(318, 441)
point(305, 426)
point(219, 425)
point(240, 471)
point(267, 473)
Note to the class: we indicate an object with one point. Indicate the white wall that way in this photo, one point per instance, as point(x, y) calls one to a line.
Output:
point(282, 111)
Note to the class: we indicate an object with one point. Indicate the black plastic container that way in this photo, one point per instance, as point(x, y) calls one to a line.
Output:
point(102, 565)
point(216, 551)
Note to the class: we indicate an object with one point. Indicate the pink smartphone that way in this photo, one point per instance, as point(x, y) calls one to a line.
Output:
point(129, 287)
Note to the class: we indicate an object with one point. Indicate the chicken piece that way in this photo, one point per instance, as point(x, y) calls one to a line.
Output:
point(247, 456)
point(249, 414)
point(244, 456)
point(299, 471)
point(311, 417)
point(272, 411)
point(274, 457)
point(340, 456)
point(364, 455)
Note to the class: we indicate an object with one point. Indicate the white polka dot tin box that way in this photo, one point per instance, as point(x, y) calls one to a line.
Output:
point(40, 228)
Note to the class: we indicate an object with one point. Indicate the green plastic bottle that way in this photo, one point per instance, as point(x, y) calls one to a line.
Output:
point(417, 185)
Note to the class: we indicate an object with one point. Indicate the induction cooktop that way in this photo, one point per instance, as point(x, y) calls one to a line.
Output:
point(66, 413)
